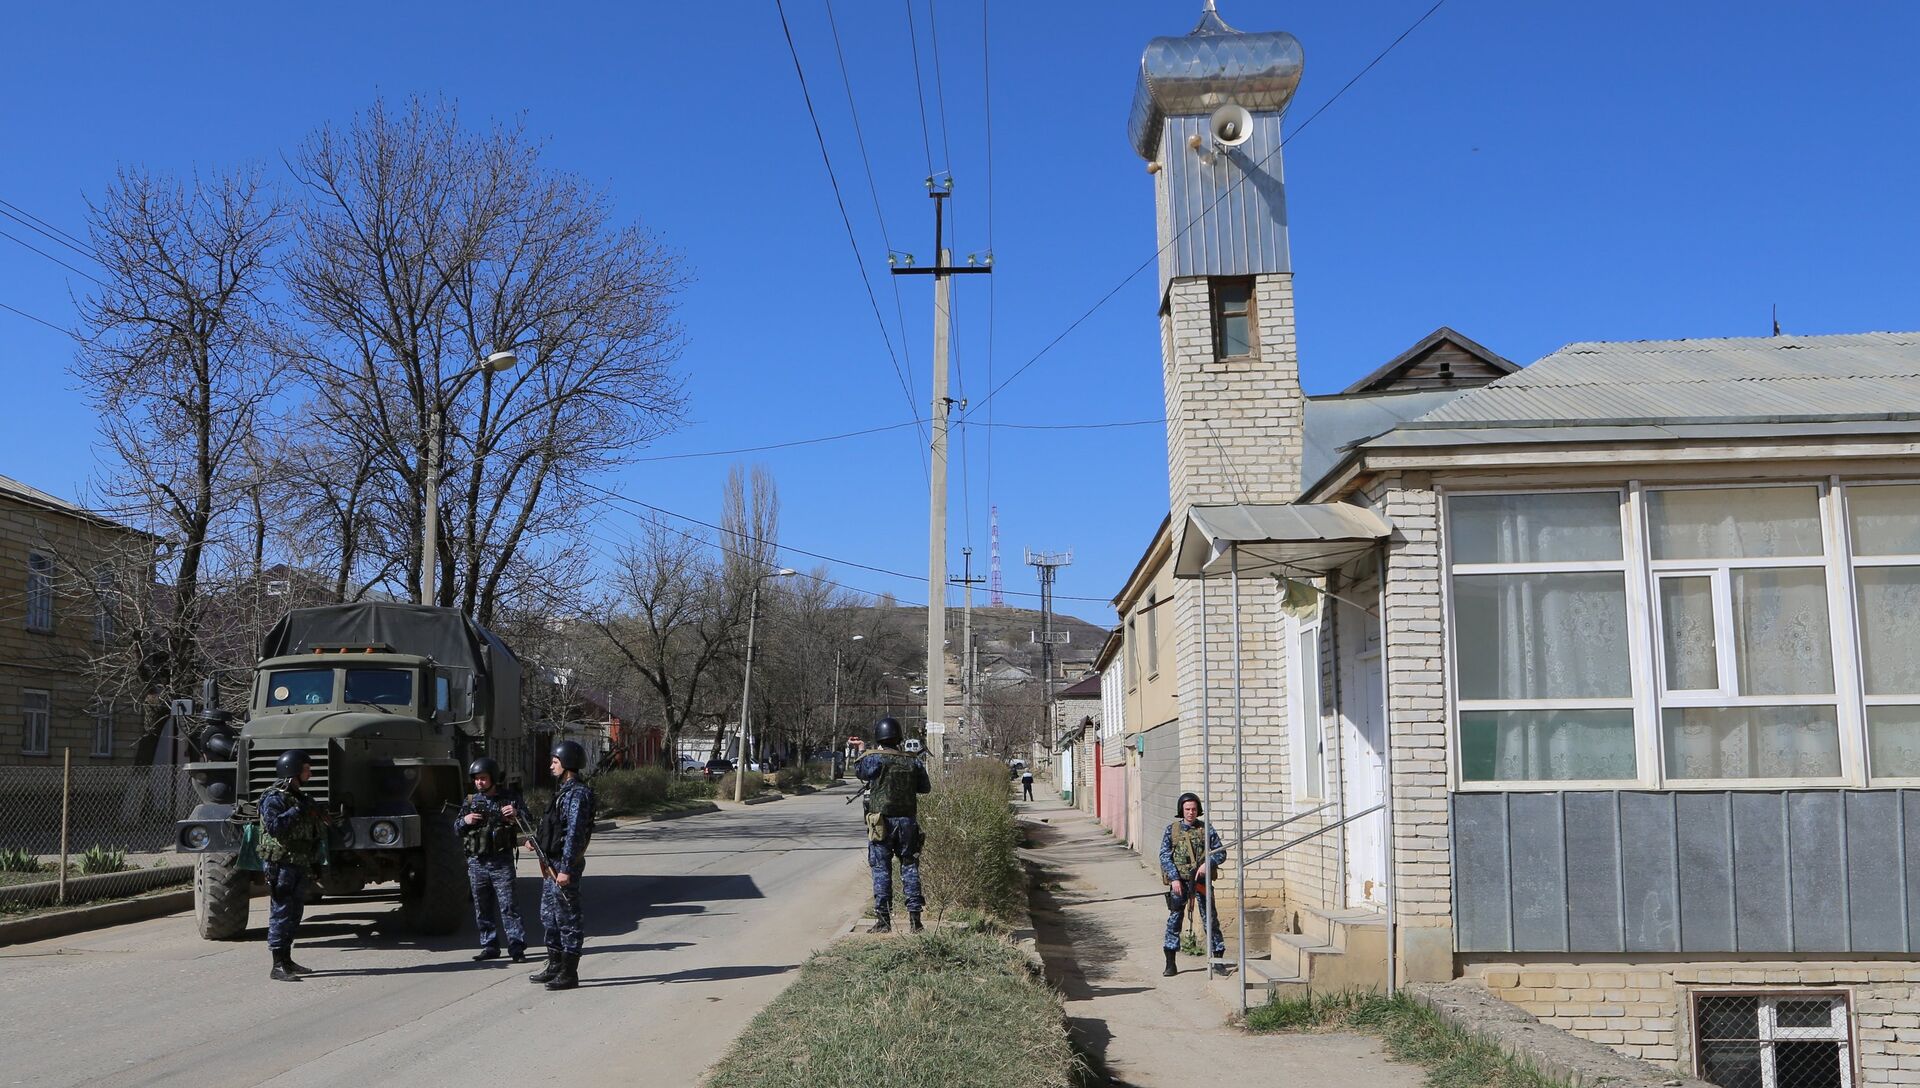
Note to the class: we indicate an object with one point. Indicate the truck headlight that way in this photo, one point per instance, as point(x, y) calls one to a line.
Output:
point(384, 832)
point(196, 838)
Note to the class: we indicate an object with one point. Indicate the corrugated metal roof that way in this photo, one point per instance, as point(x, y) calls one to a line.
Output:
point(1775, 379)
point(33, 496)
point(1336, 423)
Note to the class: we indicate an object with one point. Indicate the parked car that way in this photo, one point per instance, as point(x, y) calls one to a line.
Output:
point(717, 767)
point(690, 765)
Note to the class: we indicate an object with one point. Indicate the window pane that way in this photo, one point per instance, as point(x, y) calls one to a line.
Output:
point(1886, 519)
point(300, 687)
point(1804, 1064)
point(1548, 528)
point(1781, 640)
point(1731, 1017)
point(1313, 747)
point(1542, 636)
point(1752, 742)
point(1735, 522)
point(1893, 741)
point(383, 687)
point(1809, 1013)
point(1890, 628)
point(1235, 338)
point(1546, 745)
point(1686, 634)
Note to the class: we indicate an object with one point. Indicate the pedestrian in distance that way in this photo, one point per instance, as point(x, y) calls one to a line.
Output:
point(486, 824)
point(1190, 852)
point(895, 781)
point(1026, 784)
point(293, 843)
point(561, 843)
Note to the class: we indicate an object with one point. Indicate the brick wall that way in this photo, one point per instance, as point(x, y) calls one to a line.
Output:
point(1643, 1009)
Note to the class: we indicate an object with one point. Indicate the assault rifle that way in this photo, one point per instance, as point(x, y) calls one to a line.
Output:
point(859, 793)
point(533, 840)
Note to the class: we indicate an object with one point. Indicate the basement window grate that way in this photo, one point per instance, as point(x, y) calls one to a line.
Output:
point(1786, 1040)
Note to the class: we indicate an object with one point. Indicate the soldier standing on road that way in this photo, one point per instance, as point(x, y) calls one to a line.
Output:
point(486, 827)
point(1187, 849)
point(562, 842)
point(895, 781)
point(293, 839)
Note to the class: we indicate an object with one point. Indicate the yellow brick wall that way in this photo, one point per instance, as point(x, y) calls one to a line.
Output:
point(1643, 1009)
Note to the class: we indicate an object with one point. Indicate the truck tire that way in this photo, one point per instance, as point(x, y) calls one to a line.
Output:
point(434, 898)
point(222, 892)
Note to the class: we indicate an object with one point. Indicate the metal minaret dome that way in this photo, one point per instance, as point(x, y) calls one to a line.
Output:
point(1213, 66)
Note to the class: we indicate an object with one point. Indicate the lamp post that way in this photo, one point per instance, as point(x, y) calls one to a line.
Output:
point(746, 687)
point(496, 363)
point(836, 688)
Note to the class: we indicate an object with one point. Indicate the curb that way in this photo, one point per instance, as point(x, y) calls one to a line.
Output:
point(614, 823)
point(60, 923)
point(136, 881)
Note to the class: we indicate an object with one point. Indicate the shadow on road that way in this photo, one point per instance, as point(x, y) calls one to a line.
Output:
point(694, 974)
point(1075, 953)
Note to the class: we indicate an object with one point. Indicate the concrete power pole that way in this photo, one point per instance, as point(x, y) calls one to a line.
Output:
point(969, 680)
point(1047, 564)
point(942, 270)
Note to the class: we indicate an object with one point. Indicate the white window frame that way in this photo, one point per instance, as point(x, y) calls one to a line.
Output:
point(1153, 635)
point(1839, 1027)
point(102, 605)
point(36, 721)
point(1648, 658)
point(1636, 638)
point(103, 730)
point(39, 593)
point(1303, 706)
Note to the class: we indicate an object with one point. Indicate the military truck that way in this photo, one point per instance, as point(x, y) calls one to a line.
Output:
point(390, 701)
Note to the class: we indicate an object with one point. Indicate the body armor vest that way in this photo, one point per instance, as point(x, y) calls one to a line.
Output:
point(302, 843)
point(893, 793)
point(1189, 848)
point(492, 835)
point(553, 825)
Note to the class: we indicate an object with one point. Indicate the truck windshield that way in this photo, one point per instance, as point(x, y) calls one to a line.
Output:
point(382, 687)
point(300, 687)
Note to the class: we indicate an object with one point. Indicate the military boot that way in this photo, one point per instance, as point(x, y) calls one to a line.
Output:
point(282, 968)
point(913, 922)
point(881, 924)
point(517, 953)
point(569, 975)
point(551, 971)
point(491, 952)
point(292, 966)
point(1172, 967)
point(1220, 970)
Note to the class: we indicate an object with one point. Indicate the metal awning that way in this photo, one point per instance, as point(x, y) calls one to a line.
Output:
point(1278, 538)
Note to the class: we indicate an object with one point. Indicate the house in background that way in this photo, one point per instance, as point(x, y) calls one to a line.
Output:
point(1076, 729)
point(1110, 750)
point(62, 567)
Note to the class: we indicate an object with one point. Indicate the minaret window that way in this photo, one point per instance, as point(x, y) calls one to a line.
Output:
point(1232, 318)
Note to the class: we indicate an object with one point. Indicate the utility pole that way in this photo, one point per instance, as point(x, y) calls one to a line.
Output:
point(943, 269)
point(1047, 564)
point(968, 679)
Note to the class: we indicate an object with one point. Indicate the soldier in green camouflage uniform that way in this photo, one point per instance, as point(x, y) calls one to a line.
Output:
point(293, 840)
point(895, 781)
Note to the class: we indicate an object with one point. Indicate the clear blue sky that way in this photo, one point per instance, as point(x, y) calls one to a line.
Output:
point(1531, 174)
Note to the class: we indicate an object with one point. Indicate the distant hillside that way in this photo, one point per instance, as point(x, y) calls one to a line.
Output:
point(1003, 634)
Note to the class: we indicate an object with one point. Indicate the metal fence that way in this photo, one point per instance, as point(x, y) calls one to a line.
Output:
point(1797, 1040)
point(75, 832)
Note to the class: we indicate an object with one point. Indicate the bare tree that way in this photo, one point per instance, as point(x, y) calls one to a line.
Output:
point(173, 354)
point(423, 247)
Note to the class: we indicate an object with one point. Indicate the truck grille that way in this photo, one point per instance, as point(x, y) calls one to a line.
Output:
point(261, 772)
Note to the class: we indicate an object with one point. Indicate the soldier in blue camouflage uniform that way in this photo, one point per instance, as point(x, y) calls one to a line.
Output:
point(895, 781)
point(486, 827)
point(562, 846)
point(293, 838)
point(1186, 849)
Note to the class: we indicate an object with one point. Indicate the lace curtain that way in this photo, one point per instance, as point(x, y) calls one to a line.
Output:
point(1735, 523)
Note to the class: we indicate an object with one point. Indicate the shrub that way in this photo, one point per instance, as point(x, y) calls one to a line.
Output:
point(15, 860)
point(789, 778)
point(630, 791)
point(969, 861)
point(102, 859)
point(821, 773)
point(754, 785)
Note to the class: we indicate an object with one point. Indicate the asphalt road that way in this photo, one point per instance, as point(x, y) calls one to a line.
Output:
point(693, 926)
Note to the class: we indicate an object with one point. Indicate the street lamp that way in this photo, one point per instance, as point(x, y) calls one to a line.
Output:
point(836, 689)
point(746, 688)
point(497, 363)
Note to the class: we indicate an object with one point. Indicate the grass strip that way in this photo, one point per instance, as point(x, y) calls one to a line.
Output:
point(1412, 1032)
point(950, 1009)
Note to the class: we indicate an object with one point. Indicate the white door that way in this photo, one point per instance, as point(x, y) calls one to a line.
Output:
point(1362, 743)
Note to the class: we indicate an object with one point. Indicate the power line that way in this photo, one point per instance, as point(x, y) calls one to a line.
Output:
point(41, 320)
point(56, 260)
point(1224, 193)
point(77, 244)
point(782, 445)
point(986, 97)
point(873, 189)
point(845, 219)
point(920, 94)
point(939, 89)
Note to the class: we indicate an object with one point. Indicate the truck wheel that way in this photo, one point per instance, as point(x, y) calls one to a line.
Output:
point(434, 898)
point(222, 892)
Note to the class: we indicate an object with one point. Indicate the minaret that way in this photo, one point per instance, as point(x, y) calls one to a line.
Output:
point(1206, 117)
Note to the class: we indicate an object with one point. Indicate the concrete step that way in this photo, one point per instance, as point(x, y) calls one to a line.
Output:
point(1261, 984)
point(1332, 924)
point(1358, 963)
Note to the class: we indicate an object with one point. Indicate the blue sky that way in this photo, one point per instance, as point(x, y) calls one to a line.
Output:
point(1531, 174)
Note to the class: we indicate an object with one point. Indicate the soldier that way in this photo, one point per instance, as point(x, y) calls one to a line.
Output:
point(486, 826)
point(293, 838)
point(562, 844)
point(1187, 851)
point(895, 781)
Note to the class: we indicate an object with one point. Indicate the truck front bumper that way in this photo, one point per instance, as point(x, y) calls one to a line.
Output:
point(211, 830)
